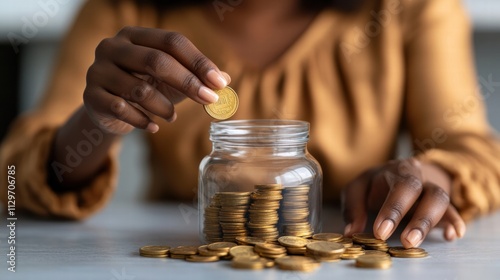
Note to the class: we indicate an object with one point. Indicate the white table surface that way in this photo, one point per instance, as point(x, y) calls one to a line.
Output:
point(106, 247)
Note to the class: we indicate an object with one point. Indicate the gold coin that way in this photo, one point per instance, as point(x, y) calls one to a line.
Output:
point(325, 248)
point(298, 263)
point(296, 251)
point(243, 251)
point(328, 236)
point(154, 250)
point(269, 248)
point(225, 107)
point(366, 238)
point(373, 261)
point(248, 240)
point(293, 241)
point(198, 258)
point(203, 250)
point(401, 252)
point(247, 263)
point(154, 256)
point(184, 250)
point(221, 246)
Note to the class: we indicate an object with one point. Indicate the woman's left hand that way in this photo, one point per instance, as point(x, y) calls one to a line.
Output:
point(398, 189)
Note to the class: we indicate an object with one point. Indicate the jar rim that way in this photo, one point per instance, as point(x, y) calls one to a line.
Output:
point(260, 131)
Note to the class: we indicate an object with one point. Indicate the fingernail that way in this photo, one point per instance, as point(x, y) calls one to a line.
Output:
point(460, 230)
point(152, 127)
point(347, 230)
point(450, 233)
point(414, 237)
point(385, 229)
point(172, 118)
point(216, 79)
point(207, 95)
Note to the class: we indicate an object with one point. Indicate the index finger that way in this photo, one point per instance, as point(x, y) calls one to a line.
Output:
point(180, 48)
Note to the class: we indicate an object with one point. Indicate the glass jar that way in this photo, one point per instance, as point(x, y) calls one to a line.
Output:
point(260, 181)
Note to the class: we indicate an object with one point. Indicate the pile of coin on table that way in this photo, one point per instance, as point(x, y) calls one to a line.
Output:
point(291, 252)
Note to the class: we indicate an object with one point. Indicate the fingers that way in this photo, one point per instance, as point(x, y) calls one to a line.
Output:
point(179, 47)
point(429, 211)
point(164, 67)
point(134, 89)
point(354, 203)
point(452, 223)
point(405, 187)
point(117, 108)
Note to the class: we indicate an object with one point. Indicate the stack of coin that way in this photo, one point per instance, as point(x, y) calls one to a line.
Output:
point(182, 252)
point(232, 214)
point(294, 245)
point(297, 263)
point(353, 252)
point(263, 212)
point(326, 251)
point(211, 225)
point(294, 212)
point(401, 252)
point(369, 242)
point(374, 261)
point(152, 251)
point(271, 251)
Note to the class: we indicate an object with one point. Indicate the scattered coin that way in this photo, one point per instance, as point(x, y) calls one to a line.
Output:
point(374, 261)
point(247, 263)
point(153, 251)
point(297, 263)
point(401, 252)
point(199, 258)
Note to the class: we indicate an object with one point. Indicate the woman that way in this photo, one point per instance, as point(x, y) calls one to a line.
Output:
point(358, 71)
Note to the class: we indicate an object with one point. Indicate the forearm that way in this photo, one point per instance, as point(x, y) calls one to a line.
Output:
point(79, 151)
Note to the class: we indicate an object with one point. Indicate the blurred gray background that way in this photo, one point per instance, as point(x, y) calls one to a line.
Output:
point(32, 66)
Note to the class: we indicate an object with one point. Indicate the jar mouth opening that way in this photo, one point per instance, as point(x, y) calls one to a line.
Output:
point(260, 131)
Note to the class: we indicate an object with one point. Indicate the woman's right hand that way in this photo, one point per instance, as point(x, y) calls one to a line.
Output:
point(143, 72)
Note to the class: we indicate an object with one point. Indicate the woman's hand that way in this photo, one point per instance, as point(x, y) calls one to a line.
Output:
point(398, 189)
point(143, 72)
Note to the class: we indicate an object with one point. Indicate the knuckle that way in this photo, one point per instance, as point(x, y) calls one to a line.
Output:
point(155, 61)
point(425, 223)
point(412, 183)
point(200, 63)
point(173, 40)
point(189, 84)
point(396, 212)
point(103, 47)
point(440, 194)
point(119, 109)
point(125, 31)
point(142, 92)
